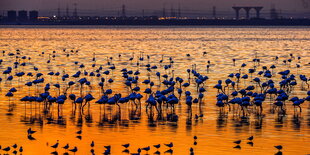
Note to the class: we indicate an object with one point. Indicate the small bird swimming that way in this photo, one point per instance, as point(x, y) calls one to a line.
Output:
point(55, 145)
point(279, 147)
point(29, 131)
point(7, 149)
point(157, 146)
point(66, 147)
point(126, 145)
point(251, 138)
point(170, 145)
point(108, 147)
point(21, 149)
point(237, 147)
point(74, 149)
point(146, 148)
point(237, 142)
point(92, 144)
point(14, 146)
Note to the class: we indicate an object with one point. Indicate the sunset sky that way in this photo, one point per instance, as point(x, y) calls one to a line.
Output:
point(295, 8)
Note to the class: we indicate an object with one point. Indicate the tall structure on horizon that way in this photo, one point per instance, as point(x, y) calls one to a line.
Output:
point(164, 12)
point(75, 13)
point(123, 10)
point(172, 13)
point(67, 11)
point(33, 15)
point(58, 11)
point(179, 11)
point(22, 15)
point(214, 12)
point(273, 13)
point(12, 15)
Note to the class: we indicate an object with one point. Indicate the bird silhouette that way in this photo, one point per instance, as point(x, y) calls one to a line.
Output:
point(66, 147)
point(14, 146)
point(157, 146)
point(279, 147)
point(251, 138)
point(126, 145)
point(21, 149)
point(146, 148)
point(75, 149)
point(29, 131)
point(170, 145)
point(237, 142)
point(237, 147)
point(169, 151)
point(7, 149)
point(55, 145)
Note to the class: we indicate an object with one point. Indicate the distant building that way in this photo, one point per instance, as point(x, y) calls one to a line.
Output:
point(12, 16)
point(22, 15)
point(33, 15)
point(273, 14)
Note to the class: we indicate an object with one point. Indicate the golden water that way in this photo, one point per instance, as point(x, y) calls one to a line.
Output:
point(215, 132)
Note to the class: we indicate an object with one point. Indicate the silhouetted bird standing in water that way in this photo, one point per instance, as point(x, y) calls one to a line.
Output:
point(157, 146)
point(279, 147)
point(92, 144)
point(14, 146)
point(146, 148)
point(191, 151)
point(7, 149)
point(237, 142)
point(55, 145)
point(126, 145)
point(251, 138)
point(29, 131)
point(21, 149)
point(66, 147)
point(170, 145)
point(79, 132)
point(74, 150)
point(237, 147)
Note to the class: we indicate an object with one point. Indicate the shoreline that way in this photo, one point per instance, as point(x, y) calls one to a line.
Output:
point(187, 22)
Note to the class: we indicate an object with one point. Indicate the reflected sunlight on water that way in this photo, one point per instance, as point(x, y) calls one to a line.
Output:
point(216, 131)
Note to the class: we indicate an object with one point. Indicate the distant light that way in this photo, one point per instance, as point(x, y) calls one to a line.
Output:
point(54, 16)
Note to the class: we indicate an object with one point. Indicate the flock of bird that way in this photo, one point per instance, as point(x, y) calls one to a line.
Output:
point(243, 92)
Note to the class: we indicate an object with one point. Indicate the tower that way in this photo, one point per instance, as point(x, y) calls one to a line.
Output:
point(123, 10)
point(214, 12)
point(143, 13)
point(172, 14)
point(67, 11)
point(58, 11)
point(75, 14)
point(179, 11)
point(164, 12)
point(273, 12)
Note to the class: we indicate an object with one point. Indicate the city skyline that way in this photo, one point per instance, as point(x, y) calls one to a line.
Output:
point(195, 8)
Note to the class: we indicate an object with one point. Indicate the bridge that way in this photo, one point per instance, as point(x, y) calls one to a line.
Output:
point(247, 10)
